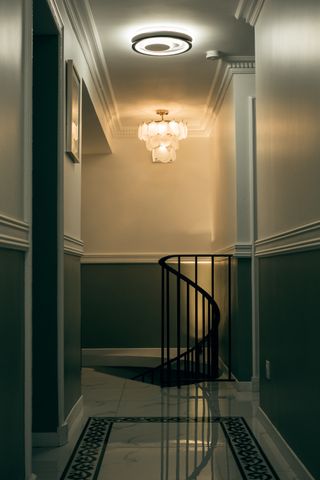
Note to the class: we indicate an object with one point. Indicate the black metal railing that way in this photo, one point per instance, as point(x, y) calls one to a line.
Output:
point(190, 319)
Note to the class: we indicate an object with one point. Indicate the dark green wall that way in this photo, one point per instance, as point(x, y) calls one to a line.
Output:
point(12, 363)
point(289, 338)
point(121, 305)
point(241, 322)
point(72, 332)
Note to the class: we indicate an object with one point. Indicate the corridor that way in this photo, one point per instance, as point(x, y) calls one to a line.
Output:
point(135, 433)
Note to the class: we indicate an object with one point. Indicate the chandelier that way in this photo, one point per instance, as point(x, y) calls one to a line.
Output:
point(162, 137)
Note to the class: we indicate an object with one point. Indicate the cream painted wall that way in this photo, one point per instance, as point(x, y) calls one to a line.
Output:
point(11, 111)
point(224, 187)
point(131, 205)
point(72, 171)
point(244, 87)
point(232, 164)
point(288, 115)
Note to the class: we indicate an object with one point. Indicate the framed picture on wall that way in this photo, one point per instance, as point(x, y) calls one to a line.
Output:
point(73, 115)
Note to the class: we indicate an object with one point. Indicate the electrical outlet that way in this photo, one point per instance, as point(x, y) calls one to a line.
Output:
point(268, 370)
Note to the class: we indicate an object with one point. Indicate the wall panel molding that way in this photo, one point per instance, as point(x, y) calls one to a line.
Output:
point(14, 233)
point(303, 238)
point(249, 10)
point(73, 245)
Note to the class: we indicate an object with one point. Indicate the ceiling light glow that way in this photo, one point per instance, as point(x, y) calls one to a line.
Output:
point(161, 44)
point(162, 137)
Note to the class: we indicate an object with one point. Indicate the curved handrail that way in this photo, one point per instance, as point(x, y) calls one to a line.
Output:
point(215, 312)
point(162, 263)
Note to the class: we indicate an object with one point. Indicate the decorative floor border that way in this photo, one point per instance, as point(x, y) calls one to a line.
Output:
point(88, 453)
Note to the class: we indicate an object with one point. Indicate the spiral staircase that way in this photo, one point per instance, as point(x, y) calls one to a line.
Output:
point(190, 320)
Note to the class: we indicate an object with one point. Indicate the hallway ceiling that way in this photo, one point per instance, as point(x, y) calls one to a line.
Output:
point(183, 84)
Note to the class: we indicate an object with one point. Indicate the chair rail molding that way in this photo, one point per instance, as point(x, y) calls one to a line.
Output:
point(14, 233)
point(126, 258)
point(249, 10)
point(238, 250)
point(96, 258)
point(302, 238)
point(73, 245)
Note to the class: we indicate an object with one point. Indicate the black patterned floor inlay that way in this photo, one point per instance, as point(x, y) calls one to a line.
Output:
point(89, 451)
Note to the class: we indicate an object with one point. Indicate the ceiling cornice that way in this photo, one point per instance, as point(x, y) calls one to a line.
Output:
point(249, 10)
point(82, 22)
point(227, 67)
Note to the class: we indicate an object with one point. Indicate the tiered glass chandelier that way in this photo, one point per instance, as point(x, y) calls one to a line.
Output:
point(162, 137)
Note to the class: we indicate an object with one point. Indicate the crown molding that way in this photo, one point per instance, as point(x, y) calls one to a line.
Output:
point(131, 132)
point(83, 24)
point(249, 10)
point(227, 67)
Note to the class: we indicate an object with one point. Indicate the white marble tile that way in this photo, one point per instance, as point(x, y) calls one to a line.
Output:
point(146, 435)
point(136, 450)
point(162, 452)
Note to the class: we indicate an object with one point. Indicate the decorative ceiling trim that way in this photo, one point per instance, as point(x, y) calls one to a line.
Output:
point(249, 10)
point(227, 67)
point(82, 22)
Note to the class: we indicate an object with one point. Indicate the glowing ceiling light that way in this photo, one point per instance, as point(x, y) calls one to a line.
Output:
point(161, 44)
point(162, 137)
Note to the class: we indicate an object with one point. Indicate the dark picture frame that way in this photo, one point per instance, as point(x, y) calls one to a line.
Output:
point(73, 116)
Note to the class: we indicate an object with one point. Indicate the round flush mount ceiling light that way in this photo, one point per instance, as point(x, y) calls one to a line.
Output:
point(161, 44)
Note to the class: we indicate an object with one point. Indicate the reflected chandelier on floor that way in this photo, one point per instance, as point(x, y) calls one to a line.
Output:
point(162, 137)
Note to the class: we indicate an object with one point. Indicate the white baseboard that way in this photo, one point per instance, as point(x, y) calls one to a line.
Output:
point(288, 454)
point(255, 383)
point(75, 415)
point(61, 436)
point(33, 477)
point(241, 386)
point(123, 357)
point(51, 439)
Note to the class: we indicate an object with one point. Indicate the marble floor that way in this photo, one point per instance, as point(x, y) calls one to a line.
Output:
point(162, 434)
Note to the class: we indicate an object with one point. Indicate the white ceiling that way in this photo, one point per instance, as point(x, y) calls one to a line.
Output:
point(182, 84)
